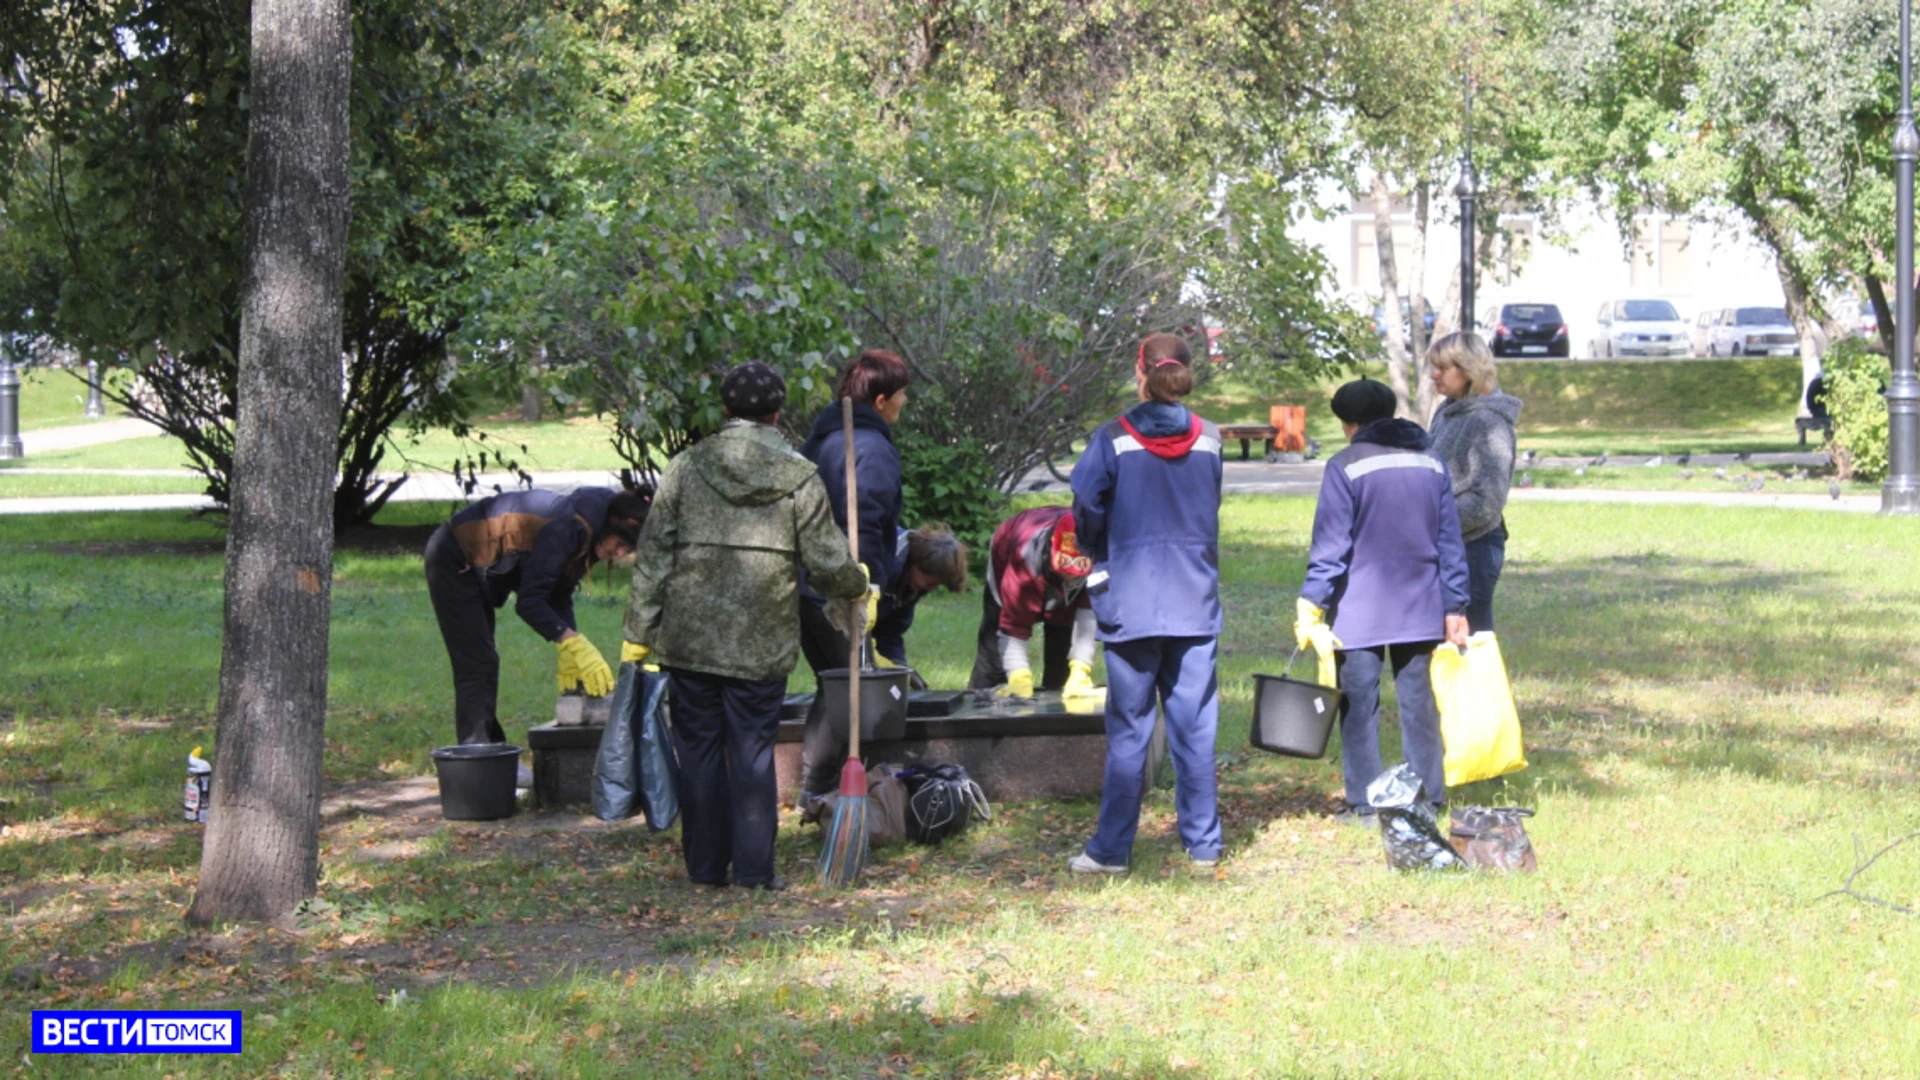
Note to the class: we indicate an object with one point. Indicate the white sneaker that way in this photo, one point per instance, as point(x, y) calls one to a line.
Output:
point(523, 777)
point(1084, 863)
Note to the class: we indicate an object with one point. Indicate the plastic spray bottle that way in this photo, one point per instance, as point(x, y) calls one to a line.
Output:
point(199, 786)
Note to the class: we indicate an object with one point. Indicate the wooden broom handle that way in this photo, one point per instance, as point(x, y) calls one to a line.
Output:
point(853, 549)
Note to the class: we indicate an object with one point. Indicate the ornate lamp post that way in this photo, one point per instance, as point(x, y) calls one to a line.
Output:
point(9, 402)
point(1901, 493)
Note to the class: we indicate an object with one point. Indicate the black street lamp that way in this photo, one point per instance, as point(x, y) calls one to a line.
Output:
point(1901, 493)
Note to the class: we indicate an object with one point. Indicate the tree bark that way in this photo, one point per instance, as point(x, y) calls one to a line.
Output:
point(261, 852)
point(1390, 296)
point(1417, 303)
point(1802, 308)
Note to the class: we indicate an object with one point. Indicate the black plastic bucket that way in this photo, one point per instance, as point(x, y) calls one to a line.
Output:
point(1292, 717)
point(883, 702)
point(476, 780)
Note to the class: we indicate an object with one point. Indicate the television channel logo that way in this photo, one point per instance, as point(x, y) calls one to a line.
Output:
point(101, 1031)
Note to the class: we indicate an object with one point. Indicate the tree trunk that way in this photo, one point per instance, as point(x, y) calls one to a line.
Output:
point(1390, 296)
point(1417, 303)
point(260, 856)
point(530, 403)
point(1802, 309)
point(1447, 319)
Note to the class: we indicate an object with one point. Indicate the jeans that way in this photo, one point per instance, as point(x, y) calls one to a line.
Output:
point(1485, 556)
point(1179, 675)
point(465, 612)
point(1360, 715)
point(724, 731)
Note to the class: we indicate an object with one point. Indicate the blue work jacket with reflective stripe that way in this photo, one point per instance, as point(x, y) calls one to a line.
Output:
point(1387, 562)
point(1151, 524)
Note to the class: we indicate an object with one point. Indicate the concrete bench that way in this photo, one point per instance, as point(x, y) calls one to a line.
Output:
point(1035, 750)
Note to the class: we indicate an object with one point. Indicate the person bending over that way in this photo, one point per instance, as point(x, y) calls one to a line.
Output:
point(535, 545)
point(1036, 575)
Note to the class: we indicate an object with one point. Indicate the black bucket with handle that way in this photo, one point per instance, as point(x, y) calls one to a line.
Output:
point(1291, 716)
point(883, 702)
point(477, 780)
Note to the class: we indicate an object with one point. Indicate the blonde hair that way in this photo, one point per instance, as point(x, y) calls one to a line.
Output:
point(1466, 351)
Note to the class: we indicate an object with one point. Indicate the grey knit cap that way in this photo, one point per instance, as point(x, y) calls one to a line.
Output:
point(753, 389)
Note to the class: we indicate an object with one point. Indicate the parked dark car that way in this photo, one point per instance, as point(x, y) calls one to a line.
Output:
point(1529, 330)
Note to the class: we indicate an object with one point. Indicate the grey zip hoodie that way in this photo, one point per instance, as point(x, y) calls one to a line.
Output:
point(1474, 437)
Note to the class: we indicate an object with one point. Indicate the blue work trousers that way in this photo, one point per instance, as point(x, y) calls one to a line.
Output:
point(1486, 555)
point(1179, 675)
point(1419, 718)
point(723, 729)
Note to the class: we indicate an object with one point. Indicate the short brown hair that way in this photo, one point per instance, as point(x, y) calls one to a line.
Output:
point(1167, 364)
point(936, 552)
point(872, 375)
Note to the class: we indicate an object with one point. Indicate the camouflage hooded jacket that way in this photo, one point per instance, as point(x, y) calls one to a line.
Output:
point(715, 579)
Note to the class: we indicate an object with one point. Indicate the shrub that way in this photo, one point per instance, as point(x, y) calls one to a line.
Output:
point(1856, 382)
point(952, 482)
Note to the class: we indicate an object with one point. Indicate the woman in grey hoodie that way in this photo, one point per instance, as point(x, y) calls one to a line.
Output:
point(1472, 433)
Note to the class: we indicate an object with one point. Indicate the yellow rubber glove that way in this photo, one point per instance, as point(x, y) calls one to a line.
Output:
point(1310, 631)
point(1019, 684)
point(1079, 679)
point(881, 661)
point(631, 653)
point(580, 659)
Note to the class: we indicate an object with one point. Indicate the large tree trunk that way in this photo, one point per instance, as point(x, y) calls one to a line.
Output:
point(1390, 295)
point(261, 852)
point(1802, 308)
point(1417, 303)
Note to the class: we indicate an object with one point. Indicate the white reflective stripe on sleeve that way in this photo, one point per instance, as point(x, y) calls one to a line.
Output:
point(1125, 444)
point(1013, 655)
point(1206, 444)
point(1098, 577)
point(1356, 470)
point(1083, 643)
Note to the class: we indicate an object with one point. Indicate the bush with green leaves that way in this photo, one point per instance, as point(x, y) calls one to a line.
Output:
point(1856, 383)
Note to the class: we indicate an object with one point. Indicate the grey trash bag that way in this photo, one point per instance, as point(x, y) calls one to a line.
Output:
point(1407, 825)
point(631, 749)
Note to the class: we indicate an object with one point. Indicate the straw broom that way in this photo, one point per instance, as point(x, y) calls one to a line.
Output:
point(844, 854)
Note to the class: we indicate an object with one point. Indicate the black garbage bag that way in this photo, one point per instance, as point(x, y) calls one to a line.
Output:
point(942, 800)
point(1407, 825)
point(636, 769)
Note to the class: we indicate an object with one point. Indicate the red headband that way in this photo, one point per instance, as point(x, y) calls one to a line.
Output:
point(1140, 362)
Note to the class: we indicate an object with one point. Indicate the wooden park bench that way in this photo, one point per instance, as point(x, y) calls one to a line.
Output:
point(1285, 431)
point(1801, 424)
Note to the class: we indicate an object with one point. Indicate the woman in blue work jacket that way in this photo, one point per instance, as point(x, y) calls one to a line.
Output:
point(1146, 502)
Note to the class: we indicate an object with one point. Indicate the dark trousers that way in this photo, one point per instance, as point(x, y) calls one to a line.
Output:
point(822, 753)
point(1486, 556)
point(724, 731)
point(1179, 675)
point(987, 672)
point(465, 611)
point(1360, 671)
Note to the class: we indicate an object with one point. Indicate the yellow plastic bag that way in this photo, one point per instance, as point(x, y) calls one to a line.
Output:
point(1478, 722)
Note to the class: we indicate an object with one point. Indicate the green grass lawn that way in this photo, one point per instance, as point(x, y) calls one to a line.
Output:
point(1719, 703)
point(53, 398)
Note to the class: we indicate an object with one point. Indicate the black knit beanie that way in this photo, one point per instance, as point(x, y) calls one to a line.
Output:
point(753, 390)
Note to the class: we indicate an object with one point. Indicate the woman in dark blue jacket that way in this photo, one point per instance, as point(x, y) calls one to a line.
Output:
point(1387, 562)
point(1146, 503)
point(877, 383)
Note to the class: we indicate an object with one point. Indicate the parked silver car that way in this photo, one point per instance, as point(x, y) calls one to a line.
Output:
point(1753, 331)
point(1639, 328)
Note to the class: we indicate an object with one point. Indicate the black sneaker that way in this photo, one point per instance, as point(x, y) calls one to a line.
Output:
point(1361, 817)
point(772, 885)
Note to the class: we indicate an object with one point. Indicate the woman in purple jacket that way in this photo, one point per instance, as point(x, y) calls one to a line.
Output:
point(1146, 506)
point(1388, 563)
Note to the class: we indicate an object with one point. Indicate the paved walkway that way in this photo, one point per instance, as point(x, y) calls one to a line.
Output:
point(75, 436)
